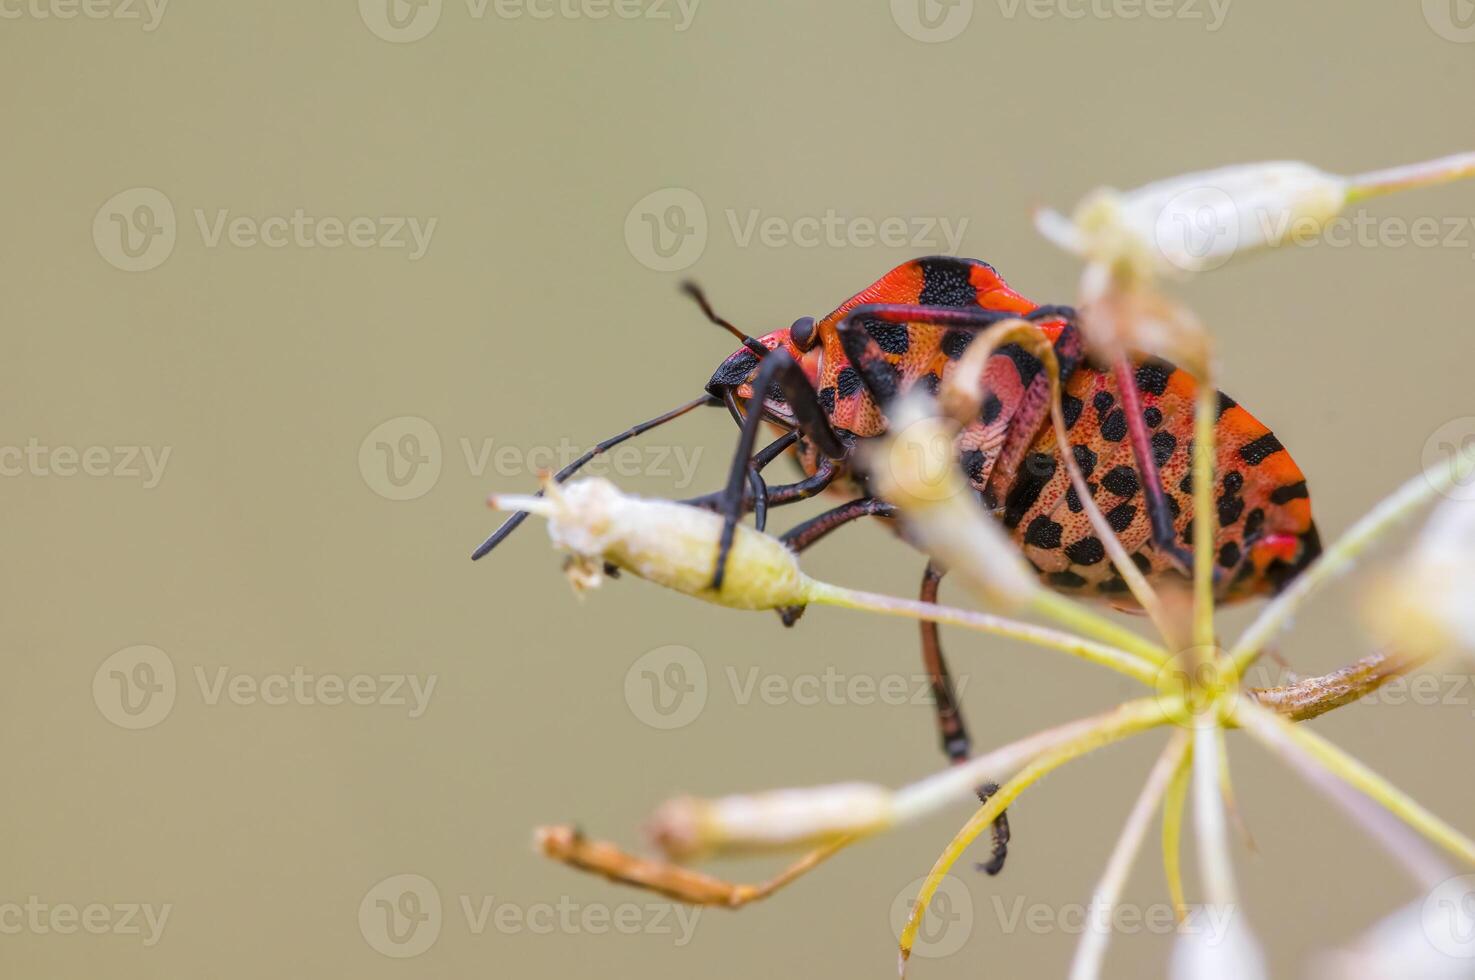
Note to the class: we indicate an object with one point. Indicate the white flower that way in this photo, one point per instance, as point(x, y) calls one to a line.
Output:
point(686, 827)
point(671, 544)
point(1198, 221)
point(1425, 607)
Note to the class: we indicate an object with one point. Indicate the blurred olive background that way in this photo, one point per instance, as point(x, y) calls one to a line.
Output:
point(335, 416)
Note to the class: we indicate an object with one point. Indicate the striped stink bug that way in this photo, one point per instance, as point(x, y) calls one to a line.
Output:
point(827, 382)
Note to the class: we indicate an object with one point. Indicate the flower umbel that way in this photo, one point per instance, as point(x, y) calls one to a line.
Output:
point(1192, 681)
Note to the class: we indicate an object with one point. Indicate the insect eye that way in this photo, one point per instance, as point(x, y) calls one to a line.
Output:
point(802, 333)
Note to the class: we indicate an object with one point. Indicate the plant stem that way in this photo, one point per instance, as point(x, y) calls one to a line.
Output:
point(1092, 948)
point(1128, 719)
point(1208, 812)
point(1274, 730)
point(1173, 805)
point(1426, 174)
point(1134, 664)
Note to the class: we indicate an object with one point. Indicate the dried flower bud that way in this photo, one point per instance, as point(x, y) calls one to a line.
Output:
point(1424, 607)
point(1198, 221)
point(916, 468)
point(686, 827)
point(671, 544)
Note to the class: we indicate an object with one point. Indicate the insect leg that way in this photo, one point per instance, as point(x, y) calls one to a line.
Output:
point(950, 725)
point(803, 535)
point(780, 370)
point(950, 717)
point(1163, 534)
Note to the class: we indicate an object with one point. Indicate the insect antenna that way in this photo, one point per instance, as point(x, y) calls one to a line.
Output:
point(695, 292)
point(512, 522)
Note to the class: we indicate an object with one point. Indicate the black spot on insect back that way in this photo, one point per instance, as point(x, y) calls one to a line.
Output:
point(1065, 580)
point(1037, 470)
point(1163, 444)
point(1289, 492)
point(1120, 517)
point(955, 342)
point(1070, 409)
point(1153, 375)
point(1085, 459)
point(1025, 363)
point(890, 337)
point(1254, 521)
point(848, 382)
point(1087, 551)
point(973, 461)
point(946, 282)
point(1122, 481)
point(827, 398)
point(1114, 425)
point(1043, 533)
point(991, 409)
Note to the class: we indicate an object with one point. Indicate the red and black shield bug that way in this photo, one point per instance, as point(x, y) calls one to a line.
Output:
point(825, 384)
